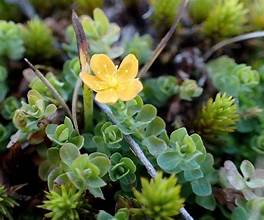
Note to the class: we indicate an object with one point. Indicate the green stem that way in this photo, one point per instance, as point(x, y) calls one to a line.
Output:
point(88, 108)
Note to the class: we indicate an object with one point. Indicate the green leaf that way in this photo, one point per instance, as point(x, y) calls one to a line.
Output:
point(44, 170)
point(83, 163)
point(191, 175)
point(170, 162)
point(62, 133)
point(101, 161)
point(208, 202)
point(68, 124)
point(147, 113)
point(78, 181)
point(68, 153)
point(201, 187)
point(52, 176)
point(95, 182)
point(89, 27)
point(53, 155)
point(101, 20)
point(50, 109)
point(155, 145)
point(155, 127)
point(96, 192)
point(198, 143)
point(178, 135)
point(240, 213)
point(247, 169)
point(134, 106)
point(78, 141)
point(104, 216)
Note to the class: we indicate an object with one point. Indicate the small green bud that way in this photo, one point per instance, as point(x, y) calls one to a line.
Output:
point(200, 9)
point(38, 39)
point(63, 203)
point(121, 167)
point(7, 203)
point(64, 133)
point(20, 119)
point(227, 18)
point(189, 89)
point(217, 117)
point(160, 197)
point(164, 11)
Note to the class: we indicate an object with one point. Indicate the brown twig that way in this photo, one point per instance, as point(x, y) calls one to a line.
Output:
point(243, 37)
point(25, 6)
point(164, 40)
point(82, 43)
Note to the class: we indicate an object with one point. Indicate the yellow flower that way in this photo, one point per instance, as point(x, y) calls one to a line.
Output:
point(112, 83)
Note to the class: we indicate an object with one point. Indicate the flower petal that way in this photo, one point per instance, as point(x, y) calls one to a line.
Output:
point(128, 69)
point(93, 82)
point(129, 89)
point(103, 67)
point(108, 96)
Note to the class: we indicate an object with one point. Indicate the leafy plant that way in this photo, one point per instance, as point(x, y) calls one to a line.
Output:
point(11, 40)
point(38, 85)
point(252, 209)
point(200, 9)
point(6, 204)
point(64, 133)
point(189, 89)
point(187, 155)
point(122, 169)
point(38, 39)
point(160, 197)
point(217, 116)
point(67, 166)
point(140, 46)
point(227, 18)
point(27, 117)
point(107, 136)
point(88, 5)
point(256, 18)
point(100, 33)
point(158, 91)
point(250, 183)
point(232, 78)
point(164, 11)
point(62, 203)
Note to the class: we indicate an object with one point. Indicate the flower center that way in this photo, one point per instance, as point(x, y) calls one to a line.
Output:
point(113, 82)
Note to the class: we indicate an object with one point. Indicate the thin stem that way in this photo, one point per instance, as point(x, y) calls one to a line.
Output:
point(75, 101)
point(53, 91)
point(164, 40)
point(138, 152)
point(252, 35)
point(88, 108)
